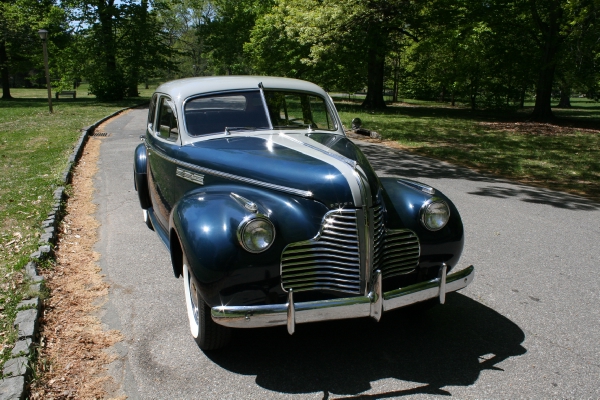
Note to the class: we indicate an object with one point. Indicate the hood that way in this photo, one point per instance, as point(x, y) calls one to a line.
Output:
point(322, 164)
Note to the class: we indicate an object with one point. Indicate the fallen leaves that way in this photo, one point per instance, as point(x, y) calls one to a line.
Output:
point(73, 358)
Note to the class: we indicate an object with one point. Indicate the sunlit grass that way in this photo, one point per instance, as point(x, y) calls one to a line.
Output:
point(557, 157)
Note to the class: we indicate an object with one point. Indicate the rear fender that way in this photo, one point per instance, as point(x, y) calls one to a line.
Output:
point(140, 177)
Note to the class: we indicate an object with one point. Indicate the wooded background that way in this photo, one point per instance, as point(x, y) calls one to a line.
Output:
point(485, 53)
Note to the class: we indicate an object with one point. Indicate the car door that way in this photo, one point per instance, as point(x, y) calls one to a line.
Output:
point(163, 140)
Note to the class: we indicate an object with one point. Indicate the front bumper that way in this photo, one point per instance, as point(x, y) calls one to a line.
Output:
point(372, 305)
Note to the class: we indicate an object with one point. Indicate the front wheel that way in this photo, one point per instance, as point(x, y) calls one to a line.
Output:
point(207, 334)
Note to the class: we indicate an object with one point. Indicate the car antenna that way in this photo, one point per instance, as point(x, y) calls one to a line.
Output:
point(260, 85)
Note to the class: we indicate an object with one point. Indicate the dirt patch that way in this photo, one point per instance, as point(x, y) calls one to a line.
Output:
point(72, 355)
point(536, 128)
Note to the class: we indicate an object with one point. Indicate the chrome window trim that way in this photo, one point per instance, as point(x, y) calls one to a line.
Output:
point(225, 175)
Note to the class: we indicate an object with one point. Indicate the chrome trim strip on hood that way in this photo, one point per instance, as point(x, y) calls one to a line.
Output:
point(347, 167)
point(220, 174)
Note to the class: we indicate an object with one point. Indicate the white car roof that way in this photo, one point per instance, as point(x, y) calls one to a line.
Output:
point(181, 89)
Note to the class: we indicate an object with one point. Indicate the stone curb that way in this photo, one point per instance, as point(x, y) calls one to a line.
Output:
point(17, 371)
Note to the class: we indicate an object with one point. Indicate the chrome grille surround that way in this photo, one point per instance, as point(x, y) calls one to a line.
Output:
point(401, 252)
point(329, 261)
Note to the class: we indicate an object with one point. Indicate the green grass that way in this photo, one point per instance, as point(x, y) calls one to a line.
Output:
point(565, 156)
point(34, 148)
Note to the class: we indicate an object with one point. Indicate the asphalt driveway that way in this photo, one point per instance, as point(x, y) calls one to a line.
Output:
point(528, 326)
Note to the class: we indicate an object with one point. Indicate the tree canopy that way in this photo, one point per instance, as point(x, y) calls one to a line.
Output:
point(486, 53)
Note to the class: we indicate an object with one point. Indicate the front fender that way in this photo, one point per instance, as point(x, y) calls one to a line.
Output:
point(403, 203)
point(206, 221)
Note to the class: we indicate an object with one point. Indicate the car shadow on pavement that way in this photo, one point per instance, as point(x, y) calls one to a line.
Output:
point(446, 346)
point(393, 162)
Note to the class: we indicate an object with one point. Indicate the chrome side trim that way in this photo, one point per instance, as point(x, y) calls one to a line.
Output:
point(326, 310)
point(225, 175)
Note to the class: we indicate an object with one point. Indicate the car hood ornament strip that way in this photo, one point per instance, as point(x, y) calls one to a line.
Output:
point(347, 167)
point(337, 156)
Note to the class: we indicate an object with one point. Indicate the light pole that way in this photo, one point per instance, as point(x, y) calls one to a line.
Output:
point(44, 36)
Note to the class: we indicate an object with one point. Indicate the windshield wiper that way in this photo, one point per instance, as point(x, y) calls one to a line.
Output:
point(228, 129)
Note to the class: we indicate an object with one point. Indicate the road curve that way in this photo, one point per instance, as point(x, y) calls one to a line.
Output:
point(528, 326)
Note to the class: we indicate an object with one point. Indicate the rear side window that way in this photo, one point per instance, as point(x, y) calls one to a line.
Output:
point(212, 114)
point(151, 111)
point(167, 120)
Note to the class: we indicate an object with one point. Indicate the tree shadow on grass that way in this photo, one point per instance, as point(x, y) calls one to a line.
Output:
point(392, 162)
point(447, 346)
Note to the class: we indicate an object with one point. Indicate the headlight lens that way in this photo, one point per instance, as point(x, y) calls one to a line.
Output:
point(256, 234)
point(435, 215)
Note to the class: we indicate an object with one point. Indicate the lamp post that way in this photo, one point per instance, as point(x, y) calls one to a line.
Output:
point(44, 36)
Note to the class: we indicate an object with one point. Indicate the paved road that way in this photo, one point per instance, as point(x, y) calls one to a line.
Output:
point(528, 326)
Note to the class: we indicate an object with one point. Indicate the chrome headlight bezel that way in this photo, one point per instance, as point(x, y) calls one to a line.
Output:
point(426, 211)
point(246, 224)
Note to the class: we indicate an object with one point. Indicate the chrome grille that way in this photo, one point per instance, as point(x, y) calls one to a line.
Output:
point(401, 252)
point(330, 261)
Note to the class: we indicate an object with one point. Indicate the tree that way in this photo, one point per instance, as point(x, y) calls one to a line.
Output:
point(19, 40)
point(555, 21)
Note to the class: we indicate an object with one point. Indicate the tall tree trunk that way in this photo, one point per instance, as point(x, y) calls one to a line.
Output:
point(522, 99)
point(376, 40)
point(542, 111)
point(565, 96)
point(396, 73)
point(4, 72)
point(375, 76)
point(551, 40)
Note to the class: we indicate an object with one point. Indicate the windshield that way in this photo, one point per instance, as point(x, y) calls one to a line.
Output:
point(245, 110)
point(293, 110)
point(212, 114)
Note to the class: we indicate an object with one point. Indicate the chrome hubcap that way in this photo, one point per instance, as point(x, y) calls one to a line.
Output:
point(193, 298)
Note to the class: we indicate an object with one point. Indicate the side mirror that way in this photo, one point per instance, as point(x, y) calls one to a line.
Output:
point(356, 124)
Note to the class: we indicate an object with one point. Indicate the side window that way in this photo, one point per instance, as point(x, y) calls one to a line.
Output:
point(167, 120)
point(151, 113)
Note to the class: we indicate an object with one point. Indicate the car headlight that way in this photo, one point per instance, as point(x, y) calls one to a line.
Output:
point(256, 234)
point(435, 214)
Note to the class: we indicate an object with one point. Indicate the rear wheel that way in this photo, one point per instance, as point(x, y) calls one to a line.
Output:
point(207, 334)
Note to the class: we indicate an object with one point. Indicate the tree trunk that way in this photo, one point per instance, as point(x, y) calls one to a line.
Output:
point(565, 97)
point(4, 72)
point(542, 112)
point(522, 99)
point(374, 99)
point(395, 94)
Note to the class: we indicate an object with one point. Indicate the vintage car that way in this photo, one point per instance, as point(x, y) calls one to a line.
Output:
point(272, 216)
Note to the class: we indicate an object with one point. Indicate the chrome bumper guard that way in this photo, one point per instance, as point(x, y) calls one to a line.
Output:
point(372, 305)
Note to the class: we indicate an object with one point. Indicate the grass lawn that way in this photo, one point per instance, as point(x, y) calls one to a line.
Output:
point(563, 156)
point(34, 148)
